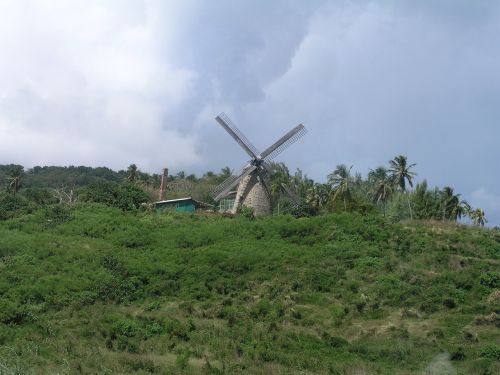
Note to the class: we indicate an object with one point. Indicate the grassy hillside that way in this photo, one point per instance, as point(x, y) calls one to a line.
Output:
point(97, 290)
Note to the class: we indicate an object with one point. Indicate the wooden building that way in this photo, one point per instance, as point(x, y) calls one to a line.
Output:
point(183, 205)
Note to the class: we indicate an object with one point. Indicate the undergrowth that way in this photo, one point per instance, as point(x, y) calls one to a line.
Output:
point(98, 290)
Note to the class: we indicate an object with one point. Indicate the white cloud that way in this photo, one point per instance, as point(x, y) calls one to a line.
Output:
point(90, 82)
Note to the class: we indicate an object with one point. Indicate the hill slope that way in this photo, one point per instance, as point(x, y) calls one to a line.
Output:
point(96, 290)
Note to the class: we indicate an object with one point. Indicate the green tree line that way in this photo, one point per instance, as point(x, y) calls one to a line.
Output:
point(390, 190)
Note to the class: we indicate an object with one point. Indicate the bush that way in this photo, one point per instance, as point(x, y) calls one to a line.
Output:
point(458, 355)
point(335, 341)
point(10, 205)
point(10, 313)
point(492, 352)
point(127, 328)
point(490, 280)
point(246, 211)
point(55, 215)
point(123, 196)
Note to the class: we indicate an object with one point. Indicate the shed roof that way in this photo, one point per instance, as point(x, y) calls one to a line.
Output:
point(198, 203)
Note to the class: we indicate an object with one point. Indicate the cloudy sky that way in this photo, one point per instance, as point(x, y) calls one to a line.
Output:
point(110, 83)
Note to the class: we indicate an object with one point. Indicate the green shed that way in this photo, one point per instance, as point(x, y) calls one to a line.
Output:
point(183, 205)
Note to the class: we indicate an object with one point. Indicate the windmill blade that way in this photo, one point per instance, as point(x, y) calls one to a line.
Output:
point(227, 182)
point(293, 196)
point(231, 182)
point(238, 136)
point(268, 167)
point(281, 144)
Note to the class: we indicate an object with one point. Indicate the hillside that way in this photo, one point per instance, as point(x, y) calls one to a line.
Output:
point(54, 177)
point(98, 290)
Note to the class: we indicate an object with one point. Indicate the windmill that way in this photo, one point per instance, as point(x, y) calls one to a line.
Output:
point(252, 179)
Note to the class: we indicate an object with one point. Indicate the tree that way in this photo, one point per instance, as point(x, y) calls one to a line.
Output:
point(132, 172)
point(400, 175)
point(225, 173)
point(478, 217)
point(14, 177)
point(125, 196)
point(453, 208)
point(317, 196)
point(278, 182)
point(382, 186)
point(301, 183)
point(341, 182)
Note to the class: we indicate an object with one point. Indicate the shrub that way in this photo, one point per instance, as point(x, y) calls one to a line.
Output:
point(458, 355)
point(335, 341)
point(55, 215)
point(154, 329)
point(492, 352)
point(127, 328)
point(490, 280)
point(247, 212)
point(123, 196)
point(10, 313)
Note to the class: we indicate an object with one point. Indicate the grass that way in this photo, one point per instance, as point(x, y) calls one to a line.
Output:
point(97, 290)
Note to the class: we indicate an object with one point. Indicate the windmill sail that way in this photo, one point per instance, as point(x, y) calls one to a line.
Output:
point(230, 183)
point(238, 136)
point(282, 144)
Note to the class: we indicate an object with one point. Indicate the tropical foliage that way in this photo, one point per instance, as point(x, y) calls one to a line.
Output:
point(389, 190)
point(93, 289)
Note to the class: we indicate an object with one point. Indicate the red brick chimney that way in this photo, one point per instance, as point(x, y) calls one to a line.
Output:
point(163, 185)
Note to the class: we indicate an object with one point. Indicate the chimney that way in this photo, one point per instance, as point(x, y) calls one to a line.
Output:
point(163, 185)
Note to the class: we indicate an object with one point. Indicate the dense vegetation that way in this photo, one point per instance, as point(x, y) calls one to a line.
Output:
point(95, 289)
point(352, 276)
point(388, 191)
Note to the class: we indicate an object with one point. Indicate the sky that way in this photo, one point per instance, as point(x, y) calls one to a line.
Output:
point(110, 83)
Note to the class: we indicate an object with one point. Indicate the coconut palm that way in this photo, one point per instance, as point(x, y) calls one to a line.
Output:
point(279, 181)
point(14, 178)
point(225, 173)
point(460, 209)
point(317, 196)
point(301, 184)
point(452, 206)
point(341, 182)
point(400, 175)
point(448, 199)
point(382, 186)
point(478, 217)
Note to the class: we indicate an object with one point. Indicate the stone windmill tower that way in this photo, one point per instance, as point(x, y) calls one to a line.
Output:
point(252, 179)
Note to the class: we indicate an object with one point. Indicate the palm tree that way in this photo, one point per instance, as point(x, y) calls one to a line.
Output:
point(280, 179)
point(382, 185)
point(453, 208)
point(341, 183)
point(301, 184)
point(317, 196)
point(400, 175)
point(461, 209)
point(15, 178)
point(478, 217)
point(132, 172)
point(447, 201)
point(225, 173)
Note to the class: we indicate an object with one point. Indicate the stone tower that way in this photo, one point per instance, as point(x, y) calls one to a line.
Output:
point(253, 192)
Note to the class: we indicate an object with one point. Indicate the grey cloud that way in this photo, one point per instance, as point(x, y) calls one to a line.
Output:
point(369, 79)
